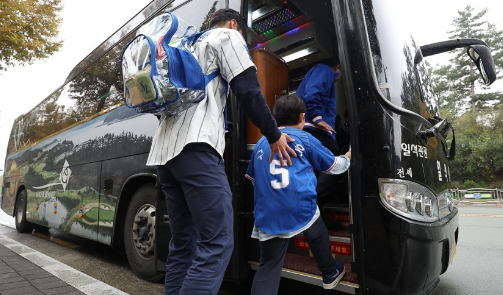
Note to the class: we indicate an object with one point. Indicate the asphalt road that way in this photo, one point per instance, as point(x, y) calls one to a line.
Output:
point(476, 269)
point(478, 265)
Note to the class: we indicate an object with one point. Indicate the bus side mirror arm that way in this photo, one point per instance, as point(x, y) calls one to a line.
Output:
point(477, 50)
point(442, 127)
point(430, 132)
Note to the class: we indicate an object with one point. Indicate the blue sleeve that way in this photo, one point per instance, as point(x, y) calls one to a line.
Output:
point(257, 154)
point(316, 85)
point(320, 157)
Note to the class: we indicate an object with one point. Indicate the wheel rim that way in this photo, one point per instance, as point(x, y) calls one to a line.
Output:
point(144, 231)
point(20, 211)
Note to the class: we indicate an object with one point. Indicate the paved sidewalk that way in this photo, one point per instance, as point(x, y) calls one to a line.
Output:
point(20, 276)
point(26, 271)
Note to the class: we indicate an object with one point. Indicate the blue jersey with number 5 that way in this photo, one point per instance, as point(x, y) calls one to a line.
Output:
point(285, 196)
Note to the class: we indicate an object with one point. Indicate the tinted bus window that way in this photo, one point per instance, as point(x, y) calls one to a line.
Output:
point(96, 90)
point(393, 49)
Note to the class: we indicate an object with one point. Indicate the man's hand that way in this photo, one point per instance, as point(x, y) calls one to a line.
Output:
point(281, 148)
point(325, 126)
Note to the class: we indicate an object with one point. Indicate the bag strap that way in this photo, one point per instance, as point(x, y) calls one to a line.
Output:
point(226, 87)
point(171, 31)
point(207, 78)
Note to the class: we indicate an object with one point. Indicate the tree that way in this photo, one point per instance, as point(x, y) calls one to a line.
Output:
point(479, 146)
point(475, 111)
point(28, 31)
point(458, 83)
point(207, 18)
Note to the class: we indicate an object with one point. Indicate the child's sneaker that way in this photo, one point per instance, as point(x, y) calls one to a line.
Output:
point(331, 280)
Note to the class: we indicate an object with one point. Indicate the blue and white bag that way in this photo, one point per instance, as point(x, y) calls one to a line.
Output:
point(160, 72)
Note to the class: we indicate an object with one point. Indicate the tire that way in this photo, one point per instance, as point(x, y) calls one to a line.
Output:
point(22, 225)
point(139, 234)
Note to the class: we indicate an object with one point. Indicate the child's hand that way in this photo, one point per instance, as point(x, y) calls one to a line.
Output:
point(348, 154)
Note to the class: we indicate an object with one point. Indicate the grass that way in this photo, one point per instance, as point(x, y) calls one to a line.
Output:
point(103, 215)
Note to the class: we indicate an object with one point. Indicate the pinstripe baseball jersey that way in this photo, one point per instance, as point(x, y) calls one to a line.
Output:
point(217, 49)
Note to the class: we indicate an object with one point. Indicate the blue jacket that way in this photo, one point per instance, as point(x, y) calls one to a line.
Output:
point(318, 91)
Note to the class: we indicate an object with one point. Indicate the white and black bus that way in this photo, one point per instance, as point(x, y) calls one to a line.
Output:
point(76, 161)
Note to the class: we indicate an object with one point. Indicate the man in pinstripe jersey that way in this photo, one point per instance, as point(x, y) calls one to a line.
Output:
point(188, 152)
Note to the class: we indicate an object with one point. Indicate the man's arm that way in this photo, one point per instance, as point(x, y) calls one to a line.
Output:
point(247, 89)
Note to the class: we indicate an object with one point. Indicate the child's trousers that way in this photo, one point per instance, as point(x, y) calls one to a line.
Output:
point(272, 255)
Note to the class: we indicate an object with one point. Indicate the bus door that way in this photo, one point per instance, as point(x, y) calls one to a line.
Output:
point(288, 38)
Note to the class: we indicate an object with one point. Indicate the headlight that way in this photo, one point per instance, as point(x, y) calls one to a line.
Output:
point(445, 203)
point(413, 200)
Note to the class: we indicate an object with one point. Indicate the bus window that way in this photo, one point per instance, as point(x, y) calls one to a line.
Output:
point(98, 88)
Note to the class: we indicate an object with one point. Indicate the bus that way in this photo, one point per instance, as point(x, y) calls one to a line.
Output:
point(76, 161)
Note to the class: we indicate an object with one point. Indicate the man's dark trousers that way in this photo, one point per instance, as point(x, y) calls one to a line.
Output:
point(327, 184)
point(199, 202)
point(326, 140)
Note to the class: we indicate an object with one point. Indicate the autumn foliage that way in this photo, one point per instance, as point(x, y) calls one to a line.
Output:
point(28, 31)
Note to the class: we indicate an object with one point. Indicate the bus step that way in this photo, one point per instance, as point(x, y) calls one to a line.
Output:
point(303, 269)
point(334, 213)
point(341, 232)
point(341, 247)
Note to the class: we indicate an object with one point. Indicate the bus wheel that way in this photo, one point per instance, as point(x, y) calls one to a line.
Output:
point(139, 234)
point(22, 225)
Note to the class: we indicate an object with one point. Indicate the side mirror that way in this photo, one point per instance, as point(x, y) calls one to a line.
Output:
point(481, 56)
point(477, 49)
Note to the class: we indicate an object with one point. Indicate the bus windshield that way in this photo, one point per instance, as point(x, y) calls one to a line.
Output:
point(393, 49)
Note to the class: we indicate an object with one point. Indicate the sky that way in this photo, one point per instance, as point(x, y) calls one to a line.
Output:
point(87, 23)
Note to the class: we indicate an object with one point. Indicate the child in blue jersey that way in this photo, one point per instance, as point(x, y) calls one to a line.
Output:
point(285, 199)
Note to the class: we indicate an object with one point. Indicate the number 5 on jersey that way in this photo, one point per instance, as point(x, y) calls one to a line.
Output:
point(285, 177)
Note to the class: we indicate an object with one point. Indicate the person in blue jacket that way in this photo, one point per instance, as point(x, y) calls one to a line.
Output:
point(318, 91)
point(285, 199)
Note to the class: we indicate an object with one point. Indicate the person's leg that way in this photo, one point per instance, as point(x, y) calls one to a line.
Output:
point(319, 243)
point(209, 199)
point(326, 183)
point(272, 255)
point(326, 140)
point(183, 241)
point(332, 189)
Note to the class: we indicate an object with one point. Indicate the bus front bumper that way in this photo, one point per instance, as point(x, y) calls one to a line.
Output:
point(410, 256)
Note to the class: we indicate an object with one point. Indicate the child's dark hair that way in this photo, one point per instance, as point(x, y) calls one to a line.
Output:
point(287, 110)
point(222, 15)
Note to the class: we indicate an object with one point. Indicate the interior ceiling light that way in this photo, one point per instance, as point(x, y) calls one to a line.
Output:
point(300, 53)
point(276, 20)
